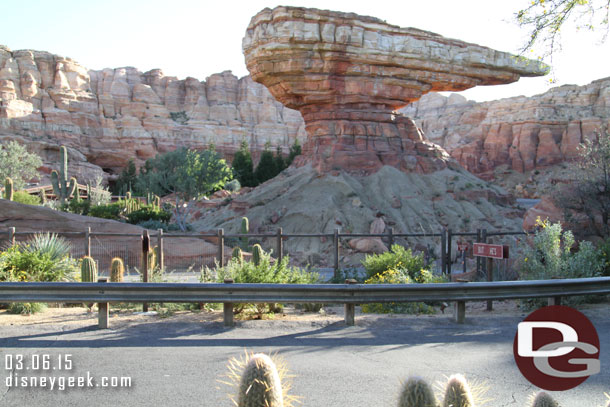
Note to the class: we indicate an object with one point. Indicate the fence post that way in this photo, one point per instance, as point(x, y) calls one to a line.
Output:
point(145, 250)
point(161, 259)
point(444, 251)
point(102, 310)
point(478, 259)
point(350, 308)
point(11, 236)
point(449, 238)
point(88, 242)
point(336, 251)
point(554, 300)
point(228, 308)
point(221, 247)
point(390, 237)
point(490, 277)
point(280, 245)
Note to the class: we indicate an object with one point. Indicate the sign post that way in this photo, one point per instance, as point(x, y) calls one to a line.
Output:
point(463, 248)
point(490, 251)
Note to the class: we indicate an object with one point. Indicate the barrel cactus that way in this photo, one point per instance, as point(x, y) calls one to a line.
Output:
point(117, 270)
point(542, 399)
point(237, 254)
point(457, 393)
point(245, 228)
point(88, 270)
point(260, 384)
point(416, 392)
point(8, 189)
point(257, 254)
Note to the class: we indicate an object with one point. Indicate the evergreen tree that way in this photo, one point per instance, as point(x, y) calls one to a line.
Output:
point(266, 168)
point(127, 179)
point(243, 167)
point(295, 150)
point(280, 163)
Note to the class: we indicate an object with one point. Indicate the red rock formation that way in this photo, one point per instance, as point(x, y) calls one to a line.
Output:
point(522, 133)
point(346, 73)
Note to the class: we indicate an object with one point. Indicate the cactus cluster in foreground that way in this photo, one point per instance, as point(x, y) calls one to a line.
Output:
point(117, 270)
point(88, 270)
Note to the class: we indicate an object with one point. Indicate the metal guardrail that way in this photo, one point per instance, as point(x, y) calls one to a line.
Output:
point(348, 294)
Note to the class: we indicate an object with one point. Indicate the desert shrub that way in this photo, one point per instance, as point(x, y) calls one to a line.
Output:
point(26, 308)
point(79, 207)
point(25, 198)
point(397, 258)
point(110, 211)
point(604, 256)
point(278, 272)
point(402, 276)
point(148, 212)
point(46, 257)
point(551, 255)
point(233, 185)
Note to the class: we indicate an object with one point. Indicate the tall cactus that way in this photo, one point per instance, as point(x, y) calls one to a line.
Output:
point(457, 393)
point(416, 392)
point(43, 196)
point(8, 189)
point(117, 270)
point(237, 254)
point(257, 254)
point(542, 399)
point(260, 384)
point(61, 186)
point(88, 270)
point(245, 228)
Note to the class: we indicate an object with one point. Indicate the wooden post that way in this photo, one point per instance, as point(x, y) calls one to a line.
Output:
point(102, 310)
point(161, 259)
point(444, 251)
point(88, 242)
point(449, 238)
point(478, 259)
point(280, 245)
point(350, 309)
point(221, 247)
point(490, 277)
point(336, 251)
point(554, 300)
point(390, 237)
point(459, 308)
point(11, 236)
point(464, 261)
point(145, 265)
point(483, 240)
point(228, 308)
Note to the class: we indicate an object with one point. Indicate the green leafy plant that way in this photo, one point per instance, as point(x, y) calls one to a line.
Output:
point(25, 198)
point(147, 213)
point(26, 308)
point(397, 258)
point(17, 164)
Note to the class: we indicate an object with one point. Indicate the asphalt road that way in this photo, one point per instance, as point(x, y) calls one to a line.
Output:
point(177, 364)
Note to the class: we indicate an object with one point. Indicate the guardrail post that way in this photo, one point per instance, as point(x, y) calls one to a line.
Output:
point(477, 258)
point(221, 247)
point(336, 251)
point(228, 308)
point(390, 237)
point(459, 308)
point(88, 242)
point(145, 265)
point(280, 245)
point(555, 300)
point(350, 309)
point(161, 259)
point(102, 310)
point(449, 238)
point(444, 251)
point(11, 236)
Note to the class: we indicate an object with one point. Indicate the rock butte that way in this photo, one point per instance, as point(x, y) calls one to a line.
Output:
point(347, 73)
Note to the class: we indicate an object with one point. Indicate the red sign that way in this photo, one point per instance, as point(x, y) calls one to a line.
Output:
point(462, 247)
point(496, 251)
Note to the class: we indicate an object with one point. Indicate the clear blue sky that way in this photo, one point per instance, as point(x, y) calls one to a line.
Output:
point(200, 37)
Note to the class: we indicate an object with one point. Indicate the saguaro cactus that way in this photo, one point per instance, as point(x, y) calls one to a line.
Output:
point(8, 189)
point(88, 270)
point(257, 254)
point(260, 384)
point(245, 228)
point(237, 254)
point(457, 393)
point(416, 392)
point(117, 270)
point(61, 186)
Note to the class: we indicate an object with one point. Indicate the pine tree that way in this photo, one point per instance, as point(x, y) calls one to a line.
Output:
point(243, 167)
point(266, 168)
point(280, 163)
point(295, 150)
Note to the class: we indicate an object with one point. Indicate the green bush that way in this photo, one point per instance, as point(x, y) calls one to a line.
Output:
point(279, 272)
point(233, 185)
point(110, 211)
point(25, 198)
point(26, 308)
point(604, 257)
point(79, 207)
point(46, 257)
point(402, 276)
point(148, 212)
point(551, 255)
point(398, 258)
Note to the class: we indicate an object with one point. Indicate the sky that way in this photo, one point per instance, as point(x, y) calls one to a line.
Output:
point(199, 37)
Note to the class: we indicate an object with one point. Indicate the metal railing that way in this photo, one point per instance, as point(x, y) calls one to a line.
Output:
point(348, 294)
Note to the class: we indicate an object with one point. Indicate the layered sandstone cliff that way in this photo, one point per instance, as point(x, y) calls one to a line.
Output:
point(522, 133)
point(107, 117)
